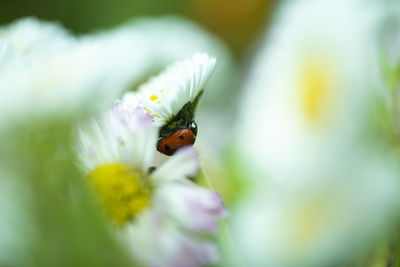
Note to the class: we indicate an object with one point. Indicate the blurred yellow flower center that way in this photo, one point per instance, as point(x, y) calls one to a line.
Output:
point(306, 221)
point(122, 191)
point(316, 85)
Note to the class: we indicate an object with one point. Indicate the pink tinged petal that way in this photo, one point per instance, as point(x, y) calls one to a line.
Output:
point(196, 208)
point(137, 135)
point(118, 107)
point(183, 249)
point(205, 210)
point(202, 220)
point(143, 115)
point(194, 253)
point(156, 239)
point(122, 134)
point(184, 163)
point(91, 143)
point(92, 152)
point(134, 117)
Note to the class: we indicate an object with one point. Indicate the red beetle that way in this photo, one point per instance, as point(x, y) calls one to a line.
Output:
point(183, 137)
point(180, 131)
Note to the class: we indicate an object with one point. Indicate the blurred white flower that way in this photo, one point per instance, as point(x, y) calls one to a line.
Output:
point(28, 41)
point(50, 73)
point(310, 86)
point(117, 154)
point(320, 190)
point(348, 205)
point(164, 95)
point(45, 71)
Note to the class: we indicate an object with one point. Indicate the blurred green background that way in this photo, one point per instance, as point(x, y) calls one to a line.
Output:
point(237, 22)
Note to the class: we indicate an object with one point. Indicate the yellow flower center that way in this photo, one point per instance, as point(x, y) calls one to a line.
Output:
point(316, 88)
point(306, 222)
point(121, 190)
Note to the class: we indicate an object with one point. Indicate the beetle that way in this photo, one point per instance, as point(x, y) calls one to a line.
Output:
point(180, 131)
point(183, 137)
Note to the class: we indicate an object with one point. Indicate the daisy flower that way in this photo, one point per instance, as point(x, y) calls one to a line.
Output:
point(29, 40)
point(320, 191)
point(164, 219)
point(343, 212)
point(310, 87)
point(47, 72)
point(172, 97)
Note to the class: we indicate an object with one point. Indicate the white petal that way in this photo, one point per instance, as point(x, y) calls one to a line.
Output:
point(195, 207)
point(156, 240)
point(122, 135)
point(31, 40)
point(165, 95)
point(130, 99)
point(184, 163)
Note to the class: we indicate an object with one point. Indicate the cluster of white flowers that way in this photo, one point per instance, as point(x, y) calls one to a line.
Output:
point(163, 217)
point(312, 183)
point(47, 72)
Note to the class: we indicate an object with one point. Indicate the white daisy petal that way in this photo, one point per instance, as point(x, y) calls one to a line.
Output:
point(185, 163)
point(164, 95)
point(130, 99)
point(157, 241)
point(122, 136)
point(137, 133)
point(193, 206)
point(30, 40)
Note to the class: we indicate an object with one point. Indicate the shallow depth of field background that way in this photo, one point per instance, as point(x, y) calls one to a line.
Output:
point(70, 231)
point(237, 22)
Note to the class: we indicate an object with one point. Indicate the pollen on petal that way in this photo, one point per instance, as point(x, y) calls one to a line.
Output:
point(149, 111)
point(153, 97)
point(159, 102)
